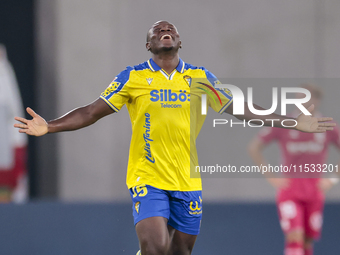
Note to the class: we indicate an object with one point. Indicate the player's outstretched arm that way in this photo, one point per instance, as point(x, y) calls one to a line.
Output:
point(305, 123)
point(73, 120)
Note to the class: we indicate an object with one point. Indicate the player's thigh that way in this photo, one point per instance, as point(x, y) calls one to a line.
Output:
point(314, 218)
point(151, 210)
point(153, 235)
point(180, 243)
point(291, 215)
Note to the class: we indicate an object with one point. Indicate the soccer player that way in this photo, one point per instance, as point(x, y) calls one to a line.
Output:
point(300, 200)
point(167, 203)
point(13, 146)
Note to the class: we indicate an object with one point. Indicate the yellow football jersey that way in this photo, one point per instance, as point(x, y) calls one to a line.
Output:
point(165, 113)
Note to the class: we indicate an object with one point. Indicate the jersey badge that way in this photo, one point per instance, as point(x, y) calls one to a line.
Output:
point(187, 79)
point(137, 205)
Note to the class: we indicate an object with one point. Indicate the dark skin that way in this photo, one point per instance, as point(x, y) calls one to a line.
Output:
point(156, 237)
point(163, 42)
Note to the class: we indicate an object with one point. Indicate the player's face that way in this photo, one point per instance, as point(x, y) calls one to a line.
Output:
point(163, 36)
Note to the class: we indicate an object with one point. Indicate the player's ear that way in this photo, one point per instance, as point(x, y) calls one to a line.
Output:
point(147, 45)
point(180, 44)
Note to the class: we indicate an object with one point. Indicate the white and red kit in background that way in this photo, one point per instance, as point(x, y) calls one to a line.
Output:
point(301, 204)
point(13, 145)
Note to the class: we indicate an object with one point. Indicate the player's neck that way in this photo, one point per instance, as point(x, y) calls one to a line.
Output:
point(166, 61)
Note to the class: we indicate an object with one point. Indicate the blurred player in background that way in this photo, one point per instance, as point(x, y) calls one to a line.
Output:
point(300, 201)
point(13, 146)
point(167, 203)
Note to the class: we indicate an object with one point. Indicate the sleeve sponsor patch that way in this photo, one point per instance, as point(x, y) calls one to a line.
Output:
point(112, 88)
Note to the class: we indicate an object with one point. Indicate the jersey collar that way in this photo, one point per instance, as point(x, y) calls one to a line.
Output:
point(154, 67)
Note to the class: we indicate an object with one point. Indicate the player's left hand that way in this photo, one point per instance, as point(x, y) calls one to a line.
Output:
point(310, 124)
point(325, 184)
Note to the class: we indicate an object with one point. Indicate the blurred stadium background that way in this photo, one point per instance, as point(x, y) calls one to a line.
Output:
point(66, 52)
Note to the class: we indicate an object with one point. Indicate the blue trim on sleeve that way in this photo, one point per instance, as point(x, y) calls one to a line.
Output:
point(121, 78)
point(225, 106)
point(109, 103)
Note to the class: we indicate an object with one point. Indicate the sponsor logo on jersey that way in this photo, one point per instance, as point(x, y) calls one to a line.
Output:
point(147, 138)
point(304, 147)
point(166, 95)
point(149, 80)
point(168, 98)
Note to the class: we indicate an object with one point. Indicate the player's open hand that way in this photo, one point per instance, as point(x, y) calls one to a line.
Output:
point(36, 126)
point(307, 123)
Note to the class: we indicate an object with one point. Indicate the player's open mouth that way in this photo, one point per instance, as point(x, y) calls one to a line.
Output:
point(166, 37)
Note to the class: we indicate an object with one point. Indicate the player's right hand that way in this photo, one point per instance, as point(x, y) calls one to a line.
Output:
point(36, 126)
point(279, 183)
point(310, 124)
